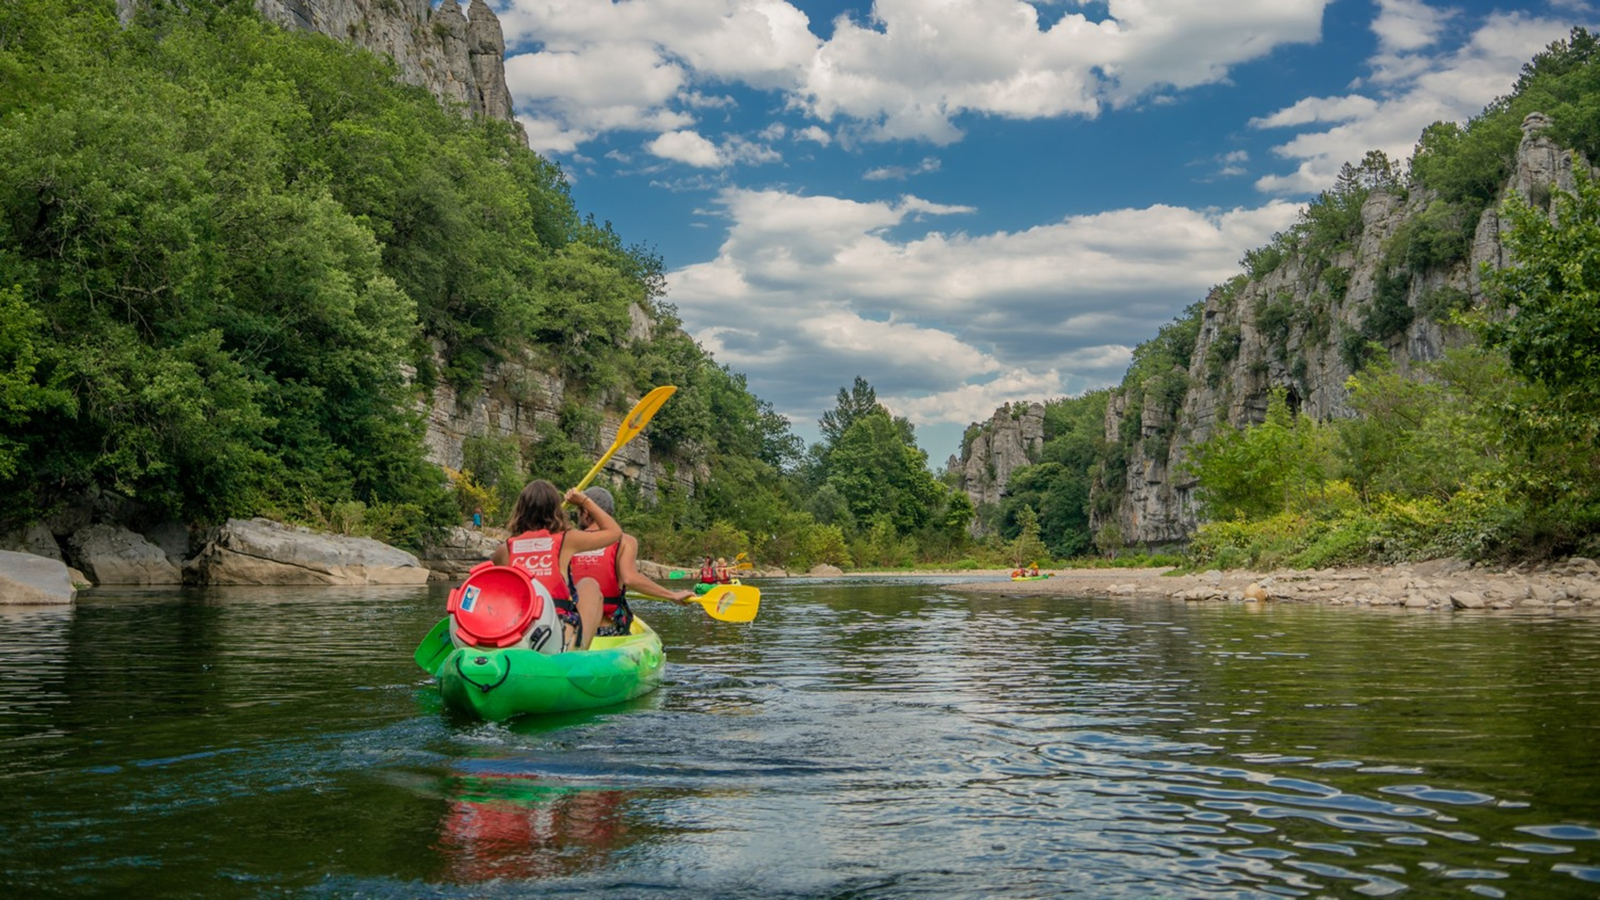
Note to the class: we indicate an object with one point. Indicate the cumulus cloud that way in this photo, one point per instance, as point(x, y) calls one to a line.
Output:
point(686, 147)
point(901, 173)
point(1409, 91)
point(808, 291)
point(909, 71)
point(1405, 25)
point(814, 134)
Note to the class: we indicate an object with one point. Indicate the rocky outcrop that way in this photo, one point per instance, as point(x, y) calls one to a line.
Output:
point(461, 549)
point(1290, 330)
point(29, 580)
point(1239, 359)
point(36, 539)
point(259, 551)
point(523, 402)
point(459, 58)
point(111, 554)
point(1011, 439)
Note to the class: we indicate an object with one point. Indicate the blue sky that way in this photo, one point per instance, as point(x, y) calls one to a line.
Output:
point(969, 202)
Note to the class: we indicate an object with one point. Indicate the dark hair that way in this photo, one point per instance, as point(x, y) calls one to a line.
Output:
point(538, 508)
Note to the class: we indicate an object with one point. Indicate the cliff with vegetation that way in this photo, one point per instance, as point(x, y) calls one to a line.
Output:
point(459, 58)
point(1392, 277)
point(1308, 315)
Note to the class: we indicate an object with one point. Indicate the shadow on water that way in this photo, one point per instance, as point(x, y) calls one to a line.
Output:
point(862, 739)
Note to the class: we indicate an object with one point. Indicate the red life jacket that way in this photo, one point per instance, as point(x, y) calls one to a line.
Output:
point(708, 574)
point(601, 565)
point(539, 554)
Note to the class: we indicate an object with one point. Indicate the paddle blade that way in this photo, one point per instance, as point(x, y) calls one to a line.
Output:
point(731, 602)
point(637, 418)
point(435, 648)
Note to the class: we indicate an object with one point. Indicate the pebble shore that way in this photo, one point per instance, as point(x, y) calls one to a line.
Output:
point(1445, 585)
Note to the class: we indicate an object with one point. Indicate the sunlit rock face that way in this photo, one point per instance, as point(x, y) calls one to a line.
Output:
point(459, 57)
point(1011, 439)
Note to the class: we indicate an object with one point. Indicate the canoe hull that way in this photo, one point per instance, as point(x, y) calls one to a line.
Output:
point(497, 685)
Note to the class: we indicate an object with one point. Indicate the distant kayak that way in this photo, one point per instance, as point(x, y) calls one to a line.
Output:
point(1030, 577)
point(702, 587)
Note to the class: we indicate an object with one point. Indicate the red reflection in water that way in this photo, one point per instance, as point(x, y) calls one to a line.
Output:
point(516, 827)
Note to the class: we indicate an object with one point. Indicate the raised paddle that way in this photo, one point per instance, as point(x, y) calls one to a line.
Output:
point(726, 602)
point(631, 426)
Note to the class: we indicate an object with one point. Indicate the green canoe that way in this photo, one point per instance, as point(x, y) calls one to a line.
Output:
point(499, 684)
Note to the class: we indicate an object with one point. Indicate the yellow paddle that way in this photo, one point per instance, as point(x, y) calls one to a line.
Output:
point(727, 602)
point(631, 426)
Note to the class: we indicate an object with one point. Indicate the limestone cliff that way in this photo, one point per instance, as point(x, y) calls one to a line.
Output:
point(1291, 330)
point(459, 57)
point(1302, 353)
point(1011, 439)
point(523, 401)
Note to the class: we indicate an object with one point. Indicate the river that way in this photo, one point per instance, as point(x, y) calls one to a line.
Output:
point(860, 739)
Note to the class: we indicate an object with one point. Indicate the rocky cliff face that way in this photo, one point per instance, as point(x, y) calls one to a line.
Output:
point(459, 57)
point(524, 402)
point(1306, 361)
point(1286, 331)
point(1011, 439)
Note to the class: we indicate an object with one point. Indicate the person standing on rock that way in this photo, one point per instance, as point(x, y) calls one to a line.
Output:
point(543, 542)
point(615, 570)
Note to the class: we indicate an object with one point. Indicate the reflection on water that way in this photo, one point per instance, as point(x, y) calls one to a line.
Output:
point(518, 826)
point(871, 739)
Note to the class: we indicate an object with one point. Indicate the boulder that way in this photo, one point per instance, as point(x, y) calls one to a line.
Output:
point(26, 579)
point(662, 573)
point(111, 554)
point(35, 539)
point(825, 571)
point(259, 551)
point(173, 539)
point(461, 549)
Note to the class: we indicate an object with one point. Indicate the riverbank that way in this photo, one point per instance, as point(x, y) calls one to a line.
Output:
point(1571, 585)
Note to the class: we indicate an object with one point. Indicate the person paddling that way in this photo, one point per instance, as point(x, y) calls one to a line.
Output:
point(542, 543)
point(614, 569)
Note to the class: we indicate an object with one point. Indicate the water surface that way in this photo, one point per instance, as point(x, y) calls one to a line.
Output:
point(862, 739)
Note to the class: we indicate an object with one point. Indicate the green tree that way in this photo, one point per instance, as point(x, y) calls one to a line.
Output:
point(879, 474)
point(1254, 472)
point(1027, 549)
point(1554, 288)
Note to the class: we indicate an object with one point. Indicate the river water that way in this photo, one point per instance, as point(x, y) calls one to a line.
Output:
point(860, 739)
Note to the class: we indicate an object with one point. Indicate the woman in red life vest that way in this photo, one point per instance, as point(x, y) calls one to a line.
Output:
point(542, 543)
point(615, 569)
point(708, 572)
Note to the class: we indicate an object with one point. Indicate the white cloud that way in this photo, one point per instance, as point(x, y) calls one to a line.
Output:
point(818, 291)
point(694, 149)
point(1319, 109)
point(686, 147)
point(814, 134)
point(1451, 85)
point(908, 73)
point(901, 173)
point(1405, 25)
